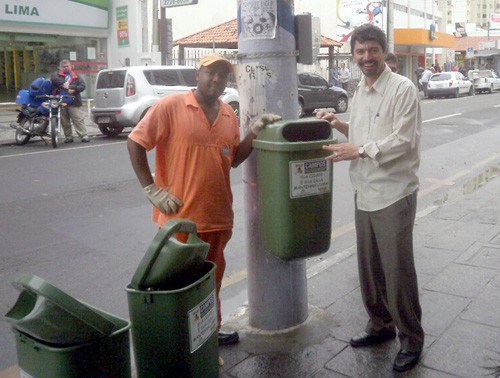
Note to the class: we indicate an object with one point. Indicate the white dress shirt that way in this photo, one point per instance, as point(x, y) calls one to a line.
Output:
point(386, 120)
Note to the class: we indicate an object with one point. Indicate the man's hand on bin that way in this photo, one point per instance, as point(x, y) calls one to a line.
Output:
point(160, 197)
point(264, 120)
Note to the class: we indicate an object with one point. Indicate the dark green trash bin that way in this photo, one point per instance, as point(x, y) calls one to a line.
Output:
point(295, 187)
point(173, 307)
point(59, 336)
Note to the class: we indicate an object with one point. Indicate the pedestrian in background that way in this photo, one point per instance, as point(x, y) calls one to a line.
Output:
point(334, 75)
point(392, 62)
point(424, 80)
point(383, 146)
point(197, 141)
point(67, 81)
point(344, 76)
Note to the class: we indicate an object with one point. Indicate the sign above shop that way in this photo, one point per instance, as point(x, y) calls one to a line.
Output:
point(84, 13)
point(176, 3)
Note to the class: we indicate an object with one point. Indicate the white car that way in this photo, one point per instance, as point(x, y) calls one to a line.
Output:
point(484, 80)
point(449, 84)
point(124, 95)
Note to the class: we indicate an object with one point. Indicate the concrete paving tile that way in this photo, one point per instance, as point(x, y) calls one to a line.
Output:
point(314, 357)
point(350, 315)
point(464, 350)
point(427, 226)
point(374, 361)
point(267, 365)
point(495, 281)
point(485, 309)
point(461, 280)
point(231, 358)
point(459, 236)
point(433, 260)
point(326, 373)
point(334, 283)
point(440, 310)
point(486, 214)
point(495, 236)
point(480, 254)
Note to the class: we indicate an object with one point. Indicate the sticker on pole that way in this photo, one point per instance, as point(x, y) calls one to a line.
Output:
point(258, 19)
point(202, 321)
point(310, 177)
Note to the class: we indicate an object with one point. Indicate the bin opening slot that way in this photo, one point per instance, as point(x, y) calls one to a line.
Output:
point(296, 132)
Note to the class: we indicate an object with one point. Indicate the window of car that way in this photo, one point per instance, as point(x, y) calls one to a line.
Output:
point(111, 79)
point(305, 80)
point(318, 81)
point(441, 76)
point(189, 77)
point(162, 77)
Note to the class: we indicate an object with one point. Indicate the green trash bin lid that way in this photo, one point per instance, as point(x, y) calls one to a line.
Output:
point(295, 135)
point(51, 316)
point(169, 259)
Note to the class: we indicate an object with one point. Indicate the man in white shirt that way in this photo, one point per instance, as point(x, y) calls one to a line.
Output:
point(344, 76)
point(383, 147)
point(424, 80)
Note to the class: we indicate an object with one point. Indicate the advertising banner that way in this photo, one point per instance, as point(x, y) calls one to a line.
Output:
point(353, 13)
point(81, 13)
point(122, 26)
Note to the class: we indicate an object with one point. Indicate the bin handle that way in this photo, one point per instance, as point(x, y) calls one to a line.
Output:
point(172, 227)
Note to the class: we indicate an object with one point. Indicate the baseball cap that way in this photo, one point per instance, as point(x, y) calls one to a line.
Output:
point(208, 60)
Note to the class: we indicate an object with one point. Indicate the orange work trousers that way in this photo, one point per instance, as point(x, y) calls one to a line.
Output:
point(217, 241)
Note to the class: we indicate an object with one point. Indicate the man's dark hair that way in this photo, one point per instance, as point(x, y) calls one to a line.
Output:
point(391, 58)
point(368, 32)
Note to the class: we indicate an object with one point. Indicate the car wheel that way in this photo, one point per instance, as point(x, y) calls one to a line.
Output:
point(301, 109)
point(110, 131)
point(342, 105)
point(471, 91)
point(236, 107)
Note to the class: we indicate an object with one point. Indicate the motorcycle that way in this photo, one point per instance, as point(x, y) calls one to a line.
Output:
point(35, 118)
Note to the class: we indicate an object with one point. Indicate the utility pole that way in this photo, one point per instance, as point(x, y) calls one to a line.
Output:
point(390, 25)
point(267, 81)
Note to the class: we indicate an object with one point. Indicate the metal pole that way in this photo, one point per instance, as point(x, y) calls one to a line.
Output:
point(164, 36)
point(390, 26)
point(267, 77)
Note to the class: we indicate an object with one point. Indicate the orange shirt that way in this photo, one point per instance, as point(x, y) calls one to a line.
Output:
point(193, 159)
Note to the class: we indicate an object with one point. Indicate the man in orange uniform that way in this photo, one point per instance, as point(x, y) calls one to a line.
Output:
point(197, 141)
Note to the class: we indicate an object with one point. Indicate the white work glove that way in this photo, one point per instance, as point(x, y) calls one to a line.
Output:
point(264, 120)
point(165, 202)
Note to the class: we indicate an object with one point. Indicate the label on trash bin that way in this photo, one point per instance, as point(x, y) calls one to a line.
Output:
point(310, 177)
point(202, 321)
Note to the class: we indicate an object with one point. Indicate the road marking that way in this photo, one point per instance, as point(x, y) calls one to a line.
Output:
point(443, 117)
point(496, 106)
point(58, 150)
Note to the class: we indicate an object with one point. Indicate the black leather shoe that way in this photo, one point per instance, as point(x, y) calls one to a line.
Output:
point(228, 338)
point(366, 339)
point(405, 360)
point(68, 140)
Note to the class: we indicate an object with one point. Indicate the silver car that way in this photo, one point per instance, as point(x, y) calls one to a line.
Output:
point(124, 95)
point(484, 80)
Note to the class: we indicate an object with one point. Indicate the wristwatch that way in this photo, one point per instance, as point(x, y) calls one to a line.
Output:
point(361, 152)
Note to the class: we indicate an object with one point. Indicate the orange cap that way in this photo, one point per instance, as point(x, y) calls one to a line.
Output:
point(208, 60)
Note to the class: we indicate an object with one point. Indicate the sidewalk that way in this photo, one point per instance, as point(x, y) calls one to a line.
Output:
point(457, 253)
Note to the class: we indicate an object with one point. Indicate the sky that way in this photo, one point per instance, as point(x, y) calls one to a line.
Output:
point(191, 19)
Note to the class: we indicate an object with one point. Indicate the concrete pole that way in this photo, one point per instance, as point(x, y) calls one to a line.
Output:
point(267, 82)
point(390, 25)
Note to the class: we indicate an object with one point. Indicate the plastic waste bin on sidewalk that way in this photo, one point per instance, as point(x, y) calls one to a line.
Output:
point(59, 336)
point(173, 307)
point(295, 187)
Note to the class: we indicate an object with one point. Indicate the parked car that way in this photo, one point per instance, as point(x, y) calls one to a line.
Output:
point(315, 92)
point(484, 80)
point(449, 84)
point(124, 95)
